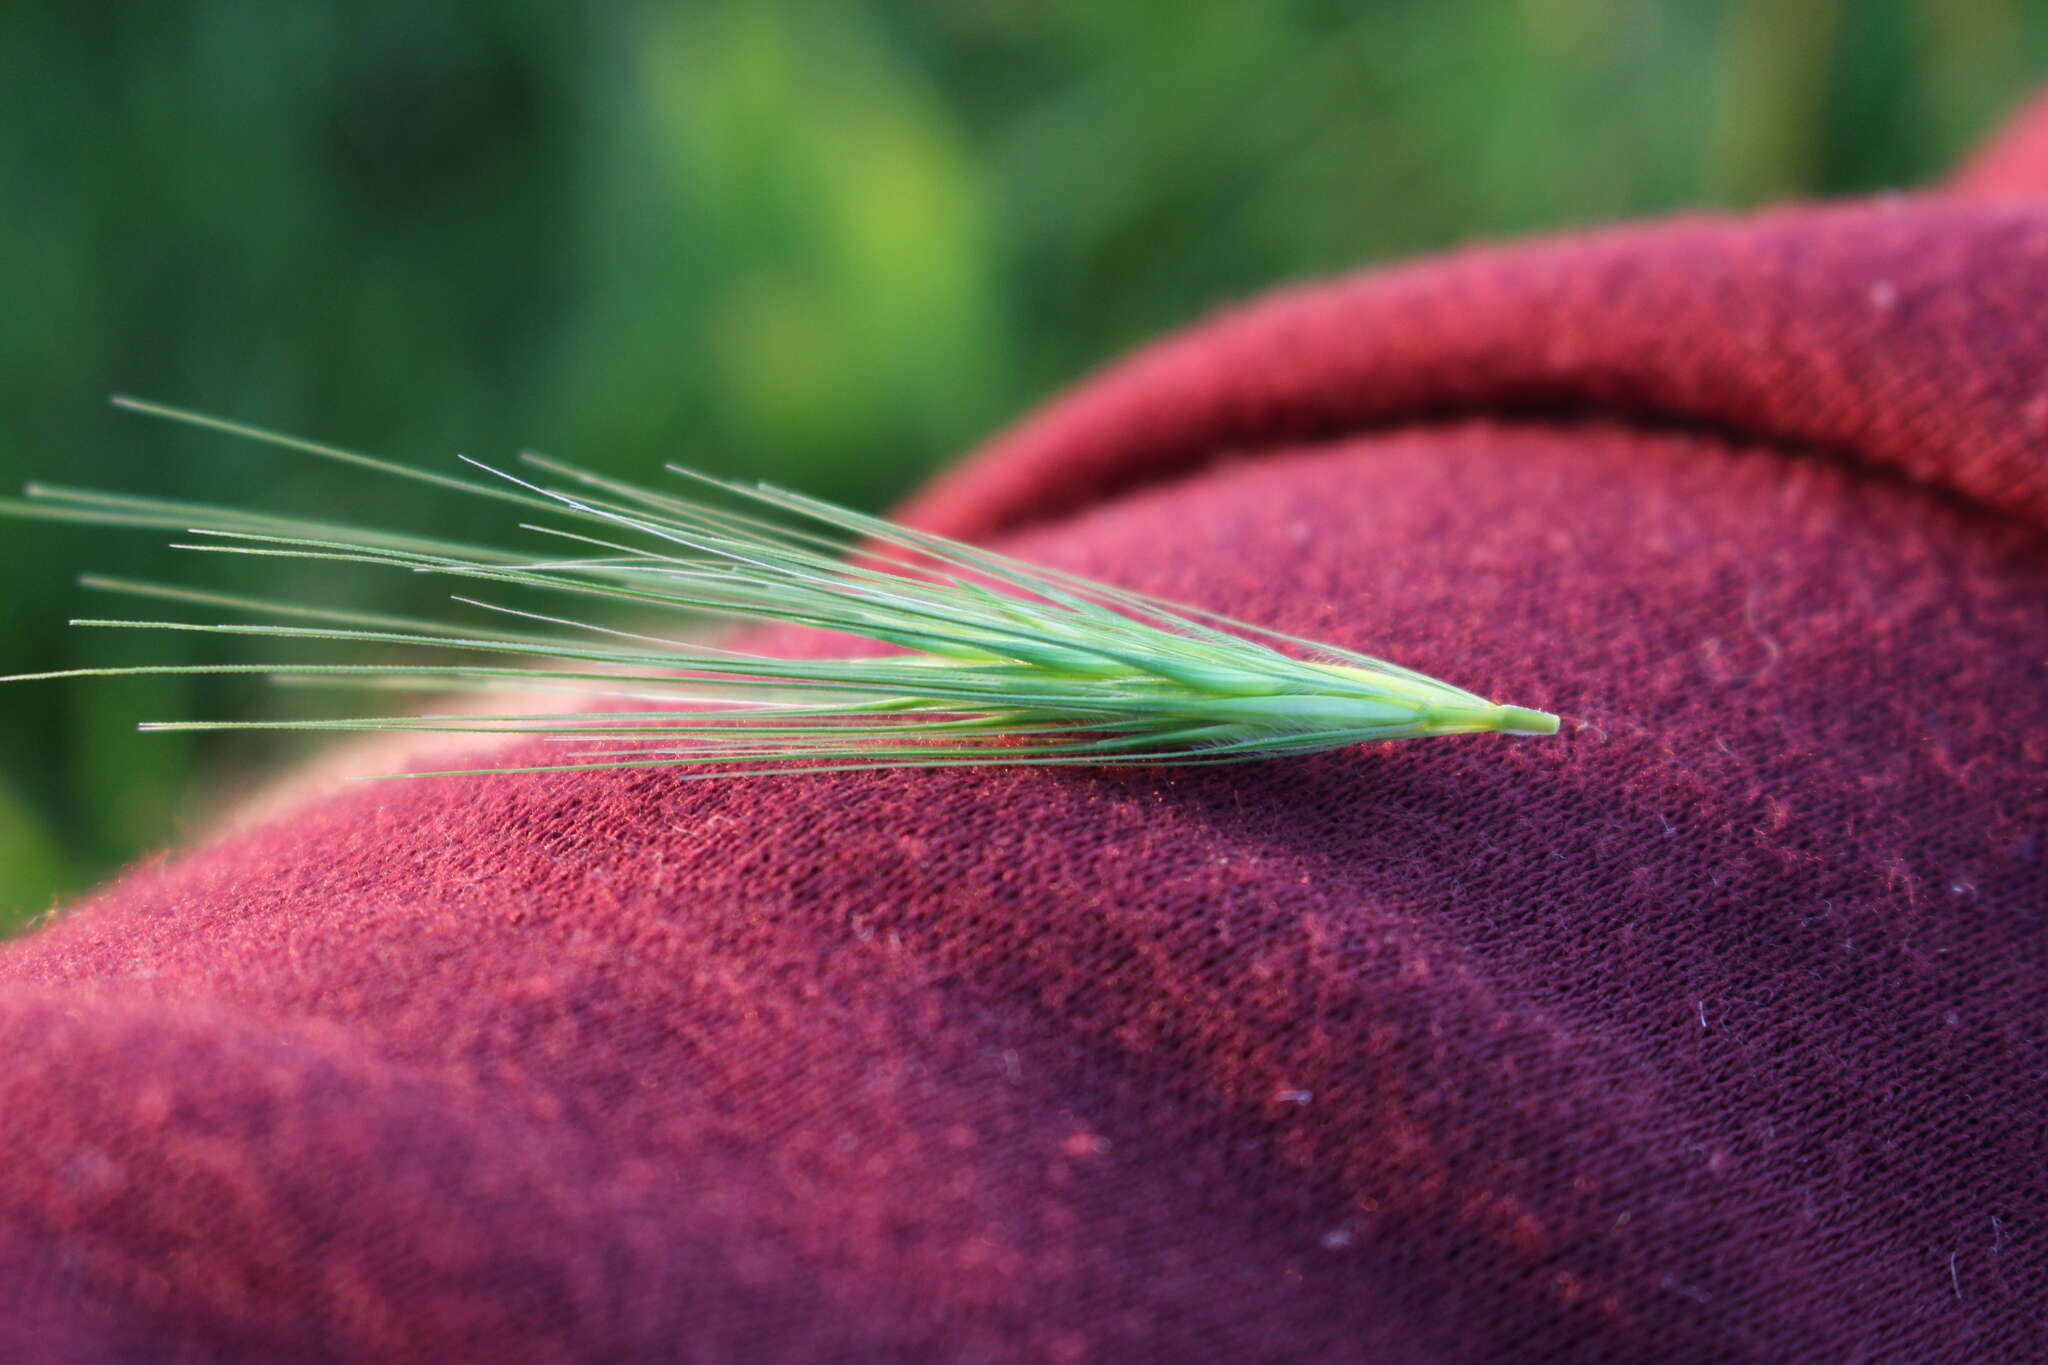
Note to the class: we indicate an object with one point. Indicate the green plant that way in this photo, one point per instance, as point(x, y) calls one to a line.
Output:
point(1003, 661)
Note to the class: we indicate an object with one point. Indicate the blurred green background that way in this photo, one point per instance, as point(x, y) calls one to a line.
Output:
point(835, 244)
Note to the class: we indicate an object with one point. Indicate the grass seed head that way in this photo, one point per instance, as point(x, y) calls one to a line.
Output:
point(997, 661)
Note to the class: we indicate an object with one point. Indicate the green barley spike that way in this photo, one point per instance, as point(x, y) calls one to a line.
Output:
point(995, 661)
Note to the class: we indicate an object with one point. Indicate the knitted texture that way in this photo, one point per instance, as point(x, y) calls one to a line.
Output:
point(1714, 1029)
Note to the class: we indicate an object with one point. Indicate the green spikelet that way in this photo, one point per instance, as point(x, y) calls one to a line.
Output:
point(996, 660)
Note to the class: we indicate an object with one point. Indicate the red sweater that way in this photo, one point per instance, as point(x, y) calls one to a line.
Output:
point(1714, 1029)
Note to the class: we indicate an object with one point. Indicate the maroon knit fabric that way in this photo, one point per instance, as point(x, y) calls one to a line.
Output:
point(1715, 1028)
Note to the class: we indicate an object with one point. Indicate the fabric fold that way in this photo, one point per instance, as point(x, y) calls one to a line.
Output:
point(1893, 332)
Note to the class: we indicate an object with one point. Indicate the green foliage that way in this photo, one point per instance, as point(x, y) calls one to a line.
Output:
point(829, 244)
